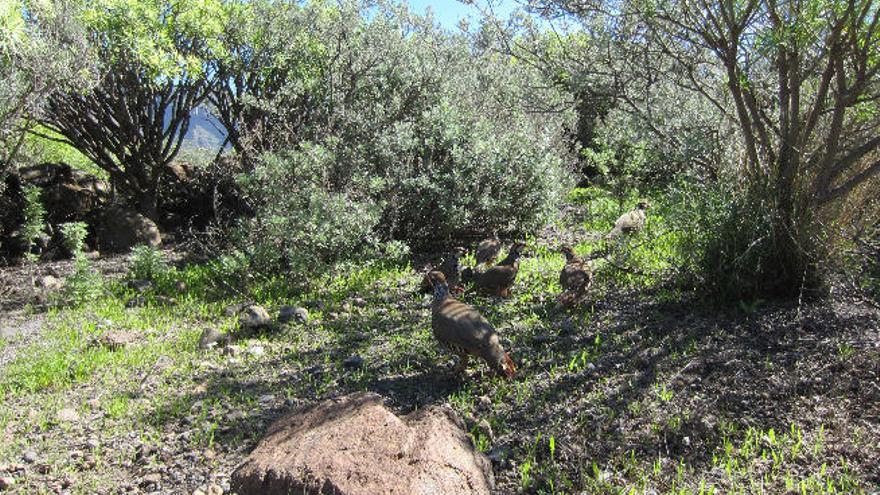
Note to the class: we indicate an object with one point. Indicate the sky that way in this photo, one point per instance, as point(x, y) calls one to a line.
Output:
point(449, 12)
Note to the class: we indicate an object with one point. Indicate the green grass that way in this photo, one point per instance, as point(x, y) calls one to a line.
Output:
point(579, 388)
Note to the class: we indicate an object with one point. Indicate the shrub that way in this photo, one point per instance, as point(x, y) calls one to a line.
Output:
point(147, 262)
point(401, 132)
point(34, 228)
point(300, 222)
point(85, 284)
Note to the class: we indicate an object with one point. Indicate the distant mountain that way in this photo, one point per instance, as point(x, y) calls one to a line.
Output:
point(204, 131)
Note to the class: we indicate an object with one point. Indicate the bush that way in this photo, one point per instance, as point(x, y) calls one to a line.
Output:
point(85, 284)
point(401, 132)
point(147, 263)
point(300, 222)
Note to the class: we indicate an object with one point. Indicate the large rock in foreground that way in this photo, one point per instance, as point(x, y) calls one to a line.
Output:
point(353, 445)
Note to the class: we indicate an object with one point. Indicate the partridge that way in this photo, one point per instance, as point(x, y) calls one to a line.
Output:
point(500, 278)
point(630, 222)
point(450, 267)
point(575, 278)
point(487, 250)
point(464, 331)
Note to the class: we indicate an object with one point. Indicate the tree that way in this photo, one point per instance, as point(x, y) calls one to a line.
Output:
point(42, 50)
point(153, 74)
point(798, 79)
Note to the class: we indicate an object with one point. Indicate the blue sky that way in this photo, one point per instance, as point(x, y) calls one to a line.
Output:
point(449, 12)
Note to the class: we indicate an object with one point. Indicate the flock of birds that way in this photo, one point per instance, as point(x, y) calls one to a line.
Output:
point(462, 330)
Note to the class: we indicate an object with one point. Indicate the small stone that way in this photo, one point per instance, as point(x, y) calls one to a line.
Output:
point(93, 443)
point(152, 479)
point(211, 337)
point(49, 282)
point(43, 468)
point(140, 285)
point(209, 489)
point(484, 402)
point(67, 415)
point(117, 339)
point(180, 286)
point(256, 350)
point(165, 301)
point(253, 317)
point(6, 482)
point(265, 399)
point(293, 313)
point(359, 302)
point(353, 362)
point(136, 302)
point(29, 456)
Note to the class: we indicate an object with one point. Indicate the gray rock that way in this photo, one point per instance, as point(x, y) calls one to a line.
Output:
point(209, 489)
point(359, 302)
point(29, 456)
point(211, 337)
point(293, 313)
point(49, 282)
point(253, 317)
point(136, 302)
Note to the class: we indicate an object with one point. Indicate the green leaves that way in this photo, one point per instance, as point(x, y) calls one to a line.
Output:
point(169, 38)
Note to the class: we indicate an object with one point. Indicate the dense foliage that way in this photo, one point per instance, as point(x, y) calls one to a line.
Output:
point(387, 128)
point(774, 104)
point(40, 54)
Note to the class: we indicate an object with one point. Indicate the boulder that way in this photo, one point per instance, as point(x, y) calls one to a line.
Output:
point(293, 313)
point(253, 317)
point(353, 445)
point(211, 337)
point(120, 229)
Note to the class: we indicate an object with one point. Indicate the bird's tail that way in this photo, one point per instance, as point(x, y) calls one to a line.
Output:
point(508, 367)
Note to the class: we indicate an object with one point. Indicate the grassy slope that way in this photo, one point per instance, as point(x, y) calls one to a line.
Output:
point(635, 393)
